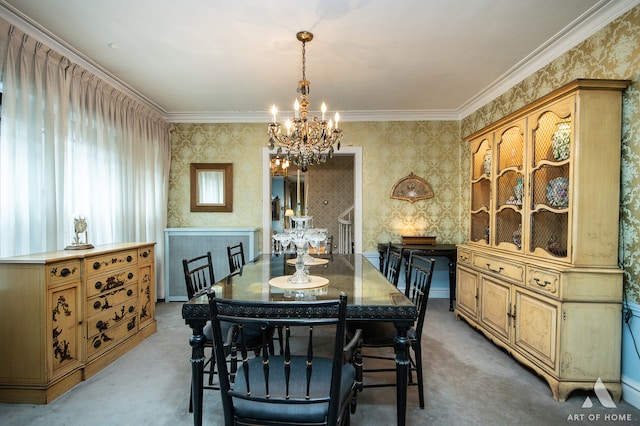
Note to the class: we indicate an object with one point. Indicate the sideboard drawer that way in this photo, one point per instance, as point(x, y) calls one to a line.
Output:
point(543, 280)
point(110, 262)
point(108, 338)
point(99, 284)
point(502, 267)
point(464, 256)
point(145, 254)
point(112, 317)
point(105, 301)
point(63, 272)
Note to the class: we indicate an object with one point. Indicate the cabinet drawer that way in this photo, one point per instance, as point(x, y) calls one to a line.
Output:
point(464, 256)
point(501, 267)
point(105, 301)
point(543, 280)
point(110, 262)
point(145, 254)
point(63, 272)
point(108, 282)
point(112, 317)
point(111, 337)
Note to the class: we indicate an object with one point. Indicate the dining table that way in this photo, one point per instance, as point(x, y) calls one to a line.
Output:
point(370, 297)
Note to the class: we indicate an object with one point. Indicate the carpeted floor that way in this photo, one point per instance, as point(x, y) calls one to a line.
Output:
point(469, 381)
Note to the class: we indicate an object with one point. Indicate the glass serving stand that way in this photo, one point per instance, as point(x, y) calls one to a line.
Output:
point(301, 236)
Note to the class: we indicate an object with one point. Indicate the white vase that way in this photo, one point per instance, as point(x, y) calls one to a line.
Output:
point(486, 163)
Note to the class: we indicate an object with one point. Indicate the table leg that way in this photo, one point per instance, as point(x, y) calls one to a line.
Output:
point(402, 372)
point(197, 341)
point(452, 283)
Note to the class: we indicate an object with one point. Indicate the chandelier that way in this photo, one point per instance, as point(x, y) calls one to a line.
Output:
point(307, 139)
point(279, 167)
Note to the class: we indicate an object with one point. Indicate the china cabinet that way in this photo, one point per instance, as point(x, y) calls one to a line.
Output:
point(69, 314)
point(539, 275)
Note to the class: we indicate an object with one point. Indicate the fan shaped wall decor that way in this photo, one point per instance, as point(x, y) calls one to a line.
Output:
point(412, 188)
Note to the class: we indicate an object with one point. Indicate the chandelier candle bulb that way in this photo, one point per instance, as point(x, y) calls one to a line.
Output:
point(323, 108)
point(274, 111)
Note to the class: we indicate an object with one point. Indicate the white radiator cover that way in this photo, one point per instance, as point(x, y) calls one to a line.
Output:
point(186, 243)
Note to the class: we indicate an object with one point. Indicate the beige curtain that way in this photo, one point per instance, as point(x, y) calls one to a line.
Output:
point(70, 144)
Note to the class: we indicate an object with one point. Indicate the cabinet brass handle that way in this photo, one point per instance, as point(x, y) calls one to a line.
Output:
point(543, 284)
point(497, 271)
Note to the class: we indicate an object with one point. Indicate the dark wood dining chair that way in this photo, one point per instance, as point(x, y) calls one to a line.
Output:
point(235, 254)
point(199, 278)
point(376, 335)
point(310, 384)
point(393, 266)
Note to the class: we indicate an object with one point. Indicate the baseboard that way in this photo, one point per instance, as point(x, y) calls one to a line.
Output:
point(631, 391)
point(630, 377)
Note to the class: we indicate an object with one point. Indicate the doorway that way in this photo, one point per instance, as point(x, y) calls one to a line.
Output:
point(356, 153)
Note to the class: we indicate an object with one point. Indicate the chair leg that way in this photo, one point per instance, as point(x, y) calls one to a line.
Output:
point(212, 367)
point(418, 354)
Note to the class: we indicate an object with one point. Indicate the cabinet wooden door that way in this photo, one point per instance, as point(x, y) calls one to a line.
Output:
point(495, 306)
point(536, 326)
point(64, 329)
point(467, 292)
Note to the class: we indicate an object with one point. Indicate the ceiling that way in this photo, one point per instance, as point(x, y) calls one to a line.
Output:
point(229, 61)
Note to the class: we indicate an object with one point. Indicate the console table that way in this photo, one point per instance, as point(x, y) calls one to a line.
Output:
point(446, 250)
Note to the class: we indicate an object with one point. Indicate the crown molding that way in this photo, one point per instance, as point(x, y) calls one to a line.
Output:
point(346, 116)
point(583, 27)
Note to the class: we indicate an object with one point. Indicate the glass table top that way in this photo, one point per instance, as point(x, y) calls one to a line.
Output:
point(370, 295)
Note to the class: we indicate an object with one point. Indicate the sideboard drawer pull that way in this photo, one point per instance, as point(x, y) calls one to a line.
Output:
point(98, 285)
point(497, 271)
point(96, 304)
point(96, 265)
point(65, 272)
point(544, 284)
point(130, 276)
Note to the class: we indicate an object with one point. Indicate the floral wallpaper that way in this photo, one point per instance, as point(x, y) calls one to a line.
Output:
point(433, 150)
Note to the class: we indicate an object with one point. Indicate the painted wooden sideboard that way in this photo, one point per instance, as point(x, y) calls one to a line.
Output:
point(67, 314)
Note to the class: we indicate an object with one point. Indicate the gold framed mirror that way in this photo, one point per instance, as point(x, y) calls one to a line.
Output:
point(211, 187)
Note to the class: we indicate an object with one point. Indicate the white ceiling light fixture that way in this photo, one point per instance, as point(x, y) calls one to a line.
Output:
point(307, 139)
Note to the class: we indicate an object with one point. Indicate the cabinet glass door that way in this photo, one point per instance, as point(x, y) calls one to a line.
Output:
point(509, 181)
point(550, 185)
point(481, 166)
